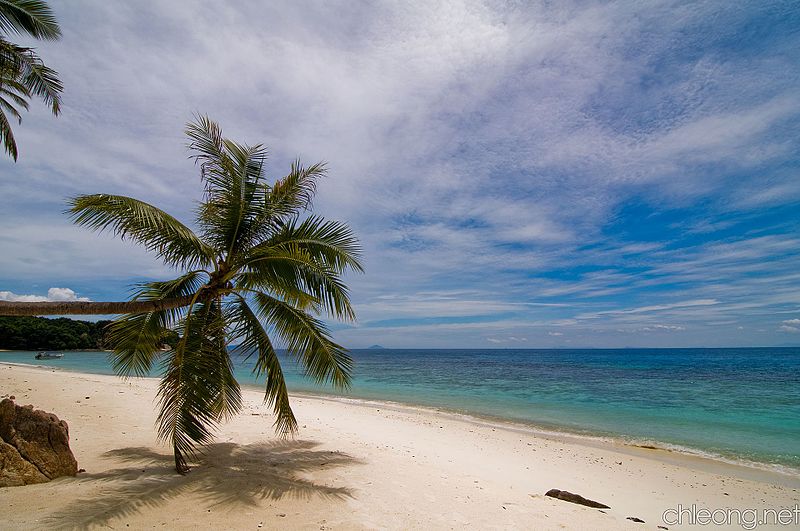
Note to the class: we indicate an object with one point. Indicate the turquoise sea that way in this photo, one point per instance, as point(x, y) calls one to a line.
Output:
point(739, 404)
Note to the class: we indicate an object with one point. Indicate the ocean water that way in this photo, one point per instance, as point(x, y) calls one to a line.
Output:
point(735, 404)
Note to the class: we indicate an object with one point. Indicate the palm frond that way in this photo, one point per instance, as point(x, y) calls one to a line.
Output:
point(22, 72)
point(186, 284)
point(6, 106)
point(7, 136)
point(222, 382)
point(8, 58)
point(308, 339)
point(232, 173)
point(291, 266)
point(330, 243)
point(254, 341)
point(137, 338)
point(198, 388)
point(285, 287)
point(207, 144)
point(17, 95)
point(235, 202)
point(41, 80)
point(33, 17)
point(130, 218)
point(295, 192)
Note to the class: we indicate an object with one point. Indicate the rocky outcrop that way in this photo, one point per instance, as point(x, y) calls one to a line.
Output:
point(34, 446)
point(15, 471)
point(575, 498)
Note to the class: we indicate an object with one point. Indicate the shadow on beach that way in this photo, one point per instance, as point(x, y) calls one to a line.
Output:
point(224, 474)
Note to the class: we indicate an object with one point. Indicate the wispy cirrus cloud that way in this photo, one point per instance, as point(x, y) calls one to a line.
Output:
point(512, 170)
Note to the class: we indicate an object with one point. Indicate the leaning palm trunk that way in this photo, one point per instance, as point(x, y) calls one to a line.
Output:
point(258, 271)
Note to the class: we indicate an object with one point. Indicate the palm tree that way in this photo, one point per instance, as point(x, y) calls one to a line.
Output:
point(22, 73)
point(257, 260)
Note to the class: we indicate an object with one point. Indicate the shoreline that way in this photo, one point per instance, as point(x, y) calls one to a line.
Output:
point(354, 465)
point(59, 350)
point(650, 448)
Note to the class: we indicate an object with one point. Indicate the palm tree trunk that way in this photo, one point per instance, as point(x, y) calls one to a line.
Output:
point(91, 308)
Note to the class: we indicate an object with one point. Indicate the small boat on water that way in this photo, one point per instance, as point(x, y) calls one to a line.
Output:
point(49, 356)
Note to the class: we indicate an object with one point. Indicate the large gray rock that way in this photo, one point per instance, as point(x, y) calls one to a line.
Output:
point(39, 439)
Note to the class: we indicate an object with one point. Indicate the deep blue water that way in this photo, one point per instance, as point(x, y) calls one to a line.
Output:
point(741, 404)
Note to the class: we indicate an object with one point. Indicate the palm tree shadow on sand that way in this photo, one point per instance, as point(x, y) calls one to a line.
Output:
point(226, 474)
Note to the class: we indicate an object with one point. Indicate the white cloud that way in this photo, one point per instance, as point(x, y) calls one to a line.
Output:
point(654, 308)
point(510, 339)
point(778, 193)
point(63, 294)
point(470, 143)
point(652, 328)
point(53, 295)
point(671, 328)
point(791, 326)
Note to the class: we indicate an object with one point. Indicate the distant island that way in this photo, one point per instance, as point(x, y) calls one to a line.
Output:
point(377, 347)
point(40, 333)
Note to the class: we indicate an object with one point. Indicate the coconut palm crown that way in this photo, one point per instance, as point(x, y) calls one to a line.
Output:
point(22, 72)
point(259, 270)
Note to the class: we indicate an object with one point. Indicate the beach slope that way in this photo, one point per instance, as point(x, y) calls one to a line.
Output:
point(353, 465)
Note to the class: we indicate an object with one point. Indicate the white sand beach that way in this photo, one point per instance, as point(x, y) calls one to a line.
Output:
point(354, 465)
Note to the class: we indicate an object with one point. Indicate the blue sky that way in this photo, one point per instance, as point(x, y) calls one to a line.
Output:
point(542, 174)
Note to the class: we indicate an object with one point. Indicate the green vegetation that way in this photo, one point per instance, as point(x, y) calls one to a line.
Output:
point(22, 73)
point(40, 333)
point(258, 259)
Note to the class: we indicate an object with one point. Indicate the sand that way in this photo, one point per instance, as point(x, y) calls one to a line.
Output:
point(354, 465)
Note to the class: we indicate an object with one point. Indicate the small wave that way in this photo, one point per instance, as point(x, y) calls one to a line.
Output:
point(580, 436)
